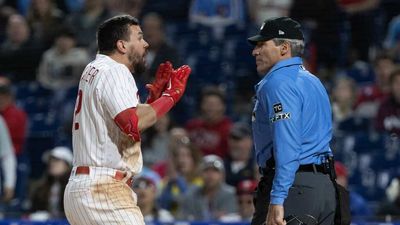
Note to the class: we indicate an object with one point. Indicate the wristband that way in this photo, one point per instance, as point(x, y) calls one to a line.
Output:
point(162, 105)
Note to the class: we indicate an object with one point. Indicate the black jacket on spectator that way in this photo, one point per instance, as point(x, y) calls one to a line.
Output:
point(20, 63)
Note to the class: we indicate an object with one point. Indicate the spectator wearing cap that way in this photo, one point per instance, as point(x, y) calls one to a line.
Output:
point(244, 191)
point(48, 194)
point(358, 205)
point(214, 199)
point(239, 165)
point(146, 188)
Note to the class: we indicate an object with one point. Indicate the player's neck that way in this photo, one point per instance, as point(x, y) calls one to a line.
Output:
point(121, 59)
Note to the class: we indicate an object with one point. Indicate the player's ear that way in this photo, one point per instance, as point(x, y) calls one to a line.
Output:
point(121, 46)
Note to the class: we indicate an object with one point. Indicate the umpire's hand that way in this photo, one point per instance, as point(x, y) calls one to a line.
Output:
point(275, 215)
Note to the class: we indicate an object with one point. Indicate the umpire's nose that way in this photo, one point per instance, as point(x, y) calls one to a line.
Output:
point(256, 51)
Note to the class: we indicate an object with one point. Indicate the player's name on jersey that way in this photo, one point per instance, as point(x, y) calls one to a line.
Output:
point(89, 74)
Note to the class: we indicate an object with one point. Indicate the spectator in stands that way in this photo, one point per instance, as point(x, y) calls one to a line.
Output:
point(17, 123)
point(15, 117)
point(370, 96)
point(48, 194)
point(146, 189)
point(62, 65)
point(19, 54)
point(5, 12)
point(344, 94)
point(8, 163)
point(358, 205)
point(210, 130)
point(131, 7)
point(244, 191)
point(178, 13)
point(388, 118)
point(86, 21)
point(212, 201)
point(391, 205)
point(392, 40)
point(260, 10)
point(218, 14)
point(323, 30)
point(155, 142)
point(182, 174)
point(362, 16)
point(44, 18)
point(159, 50)
point(177, 136)
point(239, 165)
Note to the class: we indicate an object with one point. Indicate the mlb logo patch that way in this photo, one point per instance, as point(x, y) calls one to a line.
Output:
point(277, 107)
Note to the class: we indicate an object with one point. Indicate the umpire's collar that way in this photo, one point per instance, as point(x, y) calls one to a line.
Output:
point(279, 65)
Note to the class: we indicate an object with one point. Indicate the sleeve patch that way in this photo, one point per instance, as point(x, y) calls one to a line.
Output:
point(280, 116)
point(277, 107)
point(278, 113)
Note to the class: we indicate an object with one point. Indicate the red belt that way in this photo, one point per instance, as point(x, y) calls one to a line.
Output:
point(119, 175)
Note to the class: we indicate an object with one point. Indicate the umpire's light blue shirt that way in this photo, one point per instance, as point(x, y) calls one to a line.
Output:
point(291, 117)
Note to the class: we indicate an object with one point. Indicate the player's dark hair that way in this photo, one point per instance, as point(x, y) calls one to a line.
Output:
point(112, 30)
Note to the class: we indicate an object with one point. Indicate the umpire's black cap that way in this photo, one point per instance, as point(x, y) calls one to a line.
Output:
point(278, 27)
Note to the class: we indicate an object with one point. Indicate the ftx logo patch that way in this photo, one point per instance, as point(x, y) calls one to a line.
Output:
point(279, 114)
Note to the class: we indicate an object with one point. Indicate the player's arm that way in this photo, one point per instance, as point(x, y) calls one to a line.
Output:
point(134, 120)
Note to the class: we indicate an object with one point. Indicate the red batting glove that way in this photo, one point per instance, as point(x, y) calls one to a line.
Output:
point(178, 82)
point(163, 75)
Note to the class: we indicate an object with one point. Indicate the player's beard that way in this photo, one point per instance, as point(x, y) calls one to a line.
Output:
point(138, 63)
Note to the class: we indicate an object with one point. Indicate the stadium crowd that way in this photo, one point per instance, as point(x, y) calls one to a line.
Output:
point(199, 159)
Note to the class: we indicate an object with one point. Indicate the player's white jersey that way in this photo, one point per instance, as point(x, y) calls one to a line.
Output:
point(106, 88)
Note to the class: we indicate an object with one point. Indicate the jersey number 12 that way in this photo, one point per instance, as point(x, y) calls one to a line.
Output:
point(78, 106)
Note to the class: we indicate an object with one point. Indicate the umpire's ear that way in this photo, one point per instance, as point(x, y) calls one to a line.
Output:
point(285, 48)
point(121, 46)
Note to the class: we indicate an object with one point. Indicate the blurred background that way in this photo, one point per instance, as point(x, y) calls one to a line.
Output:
point(203, 146)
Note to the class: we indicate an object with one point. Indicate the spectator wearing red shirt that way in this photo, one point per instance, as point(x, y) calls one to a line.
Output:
point(16, 118)
point(388, 118)
point(370, 96)
point(210, 130)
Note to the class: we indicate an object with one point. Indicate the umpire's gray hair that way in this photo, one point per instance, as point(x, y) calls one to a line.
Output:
point(296, 46)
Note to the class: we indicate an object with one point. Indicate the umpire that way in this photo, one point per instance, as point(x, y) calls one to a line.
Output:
point(292, 129)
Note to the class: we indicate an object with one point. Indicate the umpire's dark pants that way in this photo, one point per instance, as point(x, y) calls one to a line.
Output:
point(311, 199)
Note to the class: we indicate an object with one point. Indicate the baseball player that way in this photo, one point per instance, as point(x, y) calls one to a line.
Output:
point(107, 123)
